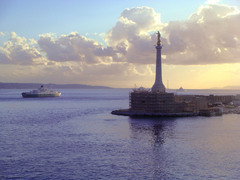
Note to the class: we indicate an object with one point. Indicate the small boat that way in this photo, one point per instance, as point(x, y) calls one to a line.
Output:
point(41, 92)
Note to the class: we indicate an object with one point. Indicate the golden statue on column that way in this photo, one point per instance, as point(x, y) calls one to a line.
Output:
point(159, 38)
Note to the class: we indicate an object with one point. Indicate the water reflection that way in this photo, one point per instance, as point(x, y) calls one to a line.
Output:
point(154, 130)
point(150, 137)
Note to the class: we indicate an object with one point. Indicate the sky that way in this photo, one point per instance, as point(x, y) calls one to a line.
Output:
point(111, 43)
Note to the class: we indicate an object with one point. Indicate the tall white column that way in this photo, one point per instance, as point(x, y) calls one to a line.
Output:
point(158, 85)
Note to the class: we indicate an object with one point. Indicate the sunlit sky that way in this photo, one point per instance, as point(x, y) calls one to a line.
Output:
point(111, 43)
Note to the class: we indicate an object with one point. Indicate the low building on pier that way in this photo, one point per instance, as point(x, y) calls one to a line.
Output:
point(151, 102)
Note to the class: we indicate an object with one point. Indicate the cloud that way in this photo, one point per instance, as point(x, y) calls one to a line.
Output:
point(18, 50)
point(209, 36)
point(133, 23)
point(131, 36)
point(73, 47)
point(115, 75)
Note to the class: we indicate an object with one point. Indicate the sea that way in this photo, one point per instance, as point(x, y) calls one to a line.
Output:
point(75, 136)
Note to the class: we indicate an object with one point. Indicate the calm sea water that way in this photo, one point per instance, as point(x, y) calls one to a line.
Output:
point(75, 137)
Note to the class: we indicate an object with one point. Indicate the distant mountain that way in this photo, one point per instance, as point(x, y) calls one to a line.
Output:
point(228, 87)
point(231, 87)
point(55, 86)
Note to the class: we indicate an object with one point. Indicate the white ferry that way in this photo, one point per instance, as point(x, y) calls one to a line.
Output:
point(41, 92)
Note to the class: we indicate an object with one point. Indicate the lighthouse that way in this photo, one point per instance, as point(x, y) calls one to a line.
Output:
point(158, 86)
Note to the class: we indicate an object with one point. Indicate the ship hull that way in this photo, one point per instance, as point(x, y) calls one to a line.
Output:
point(28, 95)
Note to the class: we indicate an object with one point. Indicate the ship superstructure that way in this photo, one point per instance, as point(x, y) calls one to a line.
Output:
point(41, 92)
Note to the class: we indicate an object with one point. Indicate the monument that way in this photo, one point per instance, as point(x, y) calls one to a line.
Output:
point(158, 85)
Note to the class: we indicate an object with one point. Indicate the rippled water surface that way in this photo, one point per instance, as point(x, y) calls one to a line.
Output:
point(75, 137)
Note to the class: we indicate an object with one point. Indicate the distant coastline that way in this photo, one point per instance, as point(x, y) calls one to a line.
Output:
point(50, 85)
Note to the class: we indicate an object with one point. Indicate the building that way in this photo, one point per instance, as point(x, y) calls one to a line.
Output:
point(151, 102)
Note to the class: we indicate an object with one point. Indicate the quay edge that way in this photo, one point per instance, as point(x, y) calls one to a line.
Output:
point(127, 112)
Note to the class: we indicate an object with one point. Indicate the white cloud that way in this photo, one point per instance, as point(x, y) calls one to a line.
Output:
point(131, 36)
point(18, 50)
point(211, 35)
point(74, 47)
point(134, 23)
